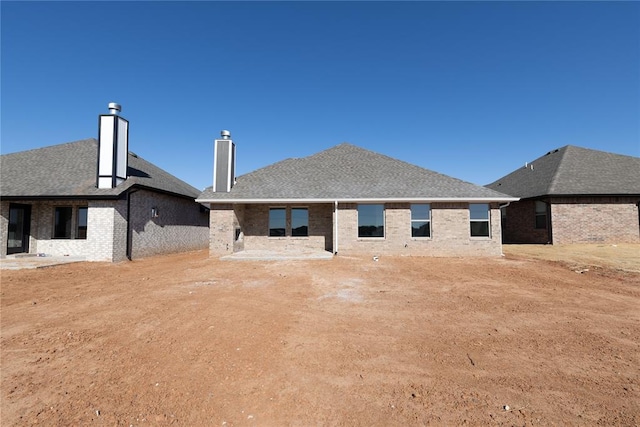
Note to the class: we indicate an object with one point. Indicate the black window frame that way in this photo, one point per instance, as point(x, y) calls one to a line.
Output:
point(371, 231)
point(62, 230)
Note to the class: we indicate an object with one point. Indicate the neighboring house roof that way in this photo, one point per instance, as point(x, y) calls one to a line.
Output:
point(346, 172)
point(70, 170)
point(571, 171)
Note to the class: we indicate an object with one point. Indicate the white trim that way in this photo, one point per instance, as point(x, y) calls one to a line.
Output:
point(352, 200)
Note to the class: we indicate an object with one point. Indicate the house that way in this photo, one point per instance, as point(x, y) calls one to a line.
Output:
point(95, 199)
point(348, 200)
point(573, 195)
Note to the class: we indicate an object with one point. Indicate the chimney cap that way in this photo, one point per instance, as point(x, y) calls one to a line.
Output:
point(114, 108)
point(225, 134)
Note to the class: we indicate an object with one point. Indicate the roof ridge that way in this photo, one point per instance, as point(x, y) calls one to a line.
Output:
point(554, 179)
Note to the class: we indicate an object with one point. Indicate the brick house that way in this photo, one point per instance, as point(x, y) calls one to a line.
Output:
point(95, 199)
point(573, 195)
point(348, 200)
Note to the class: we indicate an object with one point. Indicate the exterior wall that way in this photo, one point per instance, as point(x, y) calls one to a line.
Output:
point(575, 220)
point(520, 224)
point(4, 227)
point(180, 225)
point(107, 230)
point(595, 220)
point(450, 232)
point(222, 221)
point(255, 228)
point(103, 218)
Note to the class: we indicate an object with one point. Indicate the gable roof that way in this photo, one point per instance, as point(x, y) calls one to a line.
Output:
point(572, 170)
point(70, 170)
point(348, 173)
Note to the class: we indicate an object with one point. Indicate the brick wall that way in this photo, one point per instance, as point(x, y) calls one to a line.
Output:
point(4, 227)
point(256, 228)
point(520, 224)
point(181, 224)
point(450, 231)
point(575, 220)
point(595, 220)
point(222, 220)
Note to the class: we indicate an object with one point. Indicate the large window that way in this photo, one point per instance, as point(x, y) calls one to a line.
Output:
point(421, 220)
point(62, 222)
point(81, 229)
point(299, 222)
point(541, 214)
point(479, 214)
point(277, 222)
point(298, 219)
point(370, 220)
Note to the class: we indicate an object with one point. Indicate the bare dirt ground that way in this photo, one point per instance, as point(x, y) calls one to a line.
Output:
point(192, 341)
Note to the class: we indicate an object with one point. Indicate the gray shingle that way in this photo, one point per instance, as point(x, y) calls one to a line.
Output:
point(572, 170)
point(348, 172)
point(69, 170)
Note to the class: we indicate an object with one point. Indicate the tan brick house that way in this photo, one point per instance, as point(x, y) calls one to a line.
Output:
point(573, 195)
point(348, 200)
point(95, 199)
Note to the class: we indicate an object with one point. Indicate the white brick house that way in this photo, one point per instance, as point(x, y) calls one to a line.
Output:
point(94, 199)
point(348, 200)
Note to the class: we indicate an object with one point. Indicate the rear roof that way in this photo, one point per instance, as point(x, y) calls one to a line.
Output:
point(572, 170)
point(347, 172)
point(69, 170)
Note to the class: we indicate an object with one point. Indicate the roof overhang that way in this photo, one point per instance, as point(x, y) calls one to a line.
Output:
point(364, 200)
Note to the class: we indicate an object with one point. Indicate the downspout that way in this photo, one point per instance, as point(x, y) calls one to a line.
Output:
point(335, 249)
point(129, 231)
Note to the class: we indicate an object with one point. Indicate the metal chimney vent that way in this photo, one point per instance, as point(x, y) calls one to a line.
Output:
point(114, 108)
point(224, 163)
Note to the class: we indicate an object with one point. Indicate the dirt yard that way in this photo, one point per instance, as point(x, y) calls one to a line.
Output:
point(191, 341)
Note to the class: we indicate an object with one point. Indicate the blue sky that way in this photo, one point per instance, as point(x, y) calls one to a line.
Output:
point(468, 89)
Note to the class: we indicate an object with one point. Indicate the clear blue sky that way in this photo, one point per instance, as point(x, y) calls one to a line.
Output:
point(468, 89)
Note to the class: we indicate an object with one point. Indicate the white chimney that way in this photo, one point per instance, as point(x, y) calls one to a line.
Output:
point(113, 148)
point(224, 163)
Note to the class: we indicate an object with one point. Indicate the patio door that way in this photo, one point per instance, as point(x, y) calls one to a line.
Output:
point(19, 223)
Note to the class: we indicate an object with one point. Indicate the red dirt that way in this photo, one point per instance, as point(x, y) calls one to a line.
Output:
point(187, 340)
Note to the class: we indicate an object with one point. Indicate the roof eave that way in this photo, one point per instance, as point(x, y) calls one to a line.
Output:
point(363, 200)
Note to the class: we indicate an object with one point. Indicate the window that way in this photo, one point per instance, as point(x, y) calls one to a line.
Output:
point(421, 220)
point(479, 214)
point(370, 220)
point(277, 222)
point(81, 229)
point(299, 222)
point(541, 214)
point(62, 223)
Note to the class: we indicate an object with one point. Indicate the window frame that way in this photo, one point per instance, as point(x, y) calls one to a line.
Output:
point(299, 208)
point(81, 230)
point(284, 228)
point(473, 221)
point(538, 215)
point(384, 218)
point(421, 220)
point(68, 226)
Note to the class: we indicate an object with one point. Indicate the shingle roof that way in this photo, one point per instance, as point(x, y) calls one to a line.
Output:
point(347, 172)
point(572, 170)
point(69, 170)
